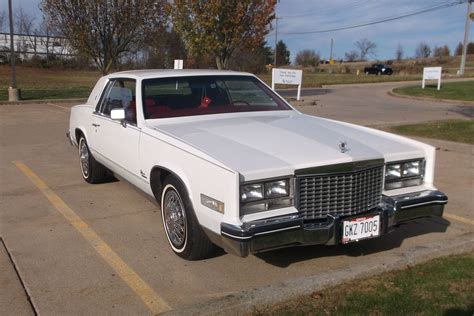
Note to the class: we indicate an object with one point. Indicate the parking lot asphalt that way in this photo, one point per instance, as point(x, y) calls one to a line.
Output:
point(96, 249)
point(370, 105)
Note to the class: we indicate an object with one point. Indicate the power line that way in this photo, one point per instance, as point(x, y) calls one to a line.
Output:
point(443, 6)
point(328, 10)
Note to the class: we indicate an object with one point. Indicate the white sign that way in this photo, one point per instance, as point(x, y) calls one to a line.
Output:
point(287, 76)
point(178, 64)
point(431, 73)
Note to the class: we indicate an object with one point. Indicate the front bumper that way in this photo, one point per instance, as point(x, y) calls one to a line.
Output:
point(68, 136)
point(292, 230)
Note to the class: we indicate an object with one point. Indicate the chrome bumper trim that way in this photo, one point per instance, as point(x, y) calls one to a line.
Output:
point(68, 135)
point(294, 230)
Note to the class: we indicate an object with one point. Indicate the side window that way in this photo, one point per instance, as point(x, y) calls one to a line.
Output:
point(121, 94)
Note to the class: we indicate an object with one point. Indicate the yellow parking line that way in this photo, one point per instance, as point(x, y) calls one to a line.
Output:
point(458, 218)
point(133, 280)
point(59, 106)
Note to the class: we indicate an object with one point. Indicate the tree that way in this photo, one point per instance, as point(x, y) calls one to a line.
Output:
point(105, 30)
point(441, 52)
point(422, 50)
point(219, 27)
point(366, 48)
point(470, 49)
point(351, 56)
point(46, 29)
point(24, 24)
point(3, 20)
point(252, 60)
point(282, 54)
point(458, 50)
point(164, 48)
point(307, 58)
point(399, 53)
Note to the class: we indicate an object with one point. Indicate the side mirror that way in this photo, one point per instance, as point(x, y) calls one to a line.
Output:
point(117, 114)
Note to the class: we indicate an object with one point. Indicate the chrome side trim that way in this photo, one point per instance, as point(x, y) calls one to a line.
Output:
point(278, 230)
point(236, 237)
point(424, 203)
point(261, 233)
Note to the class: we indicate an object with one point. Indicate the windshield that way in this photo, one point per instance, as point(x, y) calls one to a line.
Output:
point(199, 95)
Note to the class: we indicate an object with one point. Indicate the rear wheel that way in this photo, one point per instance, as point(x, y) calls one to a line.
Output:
point(184, 234)
point(92, 171)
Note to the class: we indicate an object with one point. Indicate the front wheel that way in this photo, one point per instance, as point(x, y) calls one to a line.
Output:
point(92, 171)
point(184, 234)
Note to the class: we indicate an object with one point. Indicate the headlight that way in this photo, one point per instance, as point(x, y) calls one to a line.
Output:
point(276, 189)
point(404, 174)
point(251, 192)
point(411, 169)
point(264, 196)
point(393, 172)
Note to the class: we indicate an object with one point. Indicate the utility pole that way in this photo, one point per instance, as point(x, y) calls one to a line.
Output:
point(330, 55)
point(276, 41)
point(466, 38)
point(13, 92)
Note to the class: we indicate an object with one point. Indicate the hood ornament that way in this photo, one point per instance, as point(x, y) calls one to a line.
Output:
point(343, 147)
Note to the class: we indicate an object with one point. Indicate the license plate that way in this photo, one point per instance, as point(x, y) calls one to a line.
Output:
point(360, 228)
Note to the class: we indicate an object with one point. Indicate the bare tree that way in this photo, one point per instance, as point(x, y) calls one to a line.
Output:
point(366, 48)
point(3, 19)
point(24, 25)
point(423, 50)
point(307, 58)
point(47, 31)
point(105, 30)
point(399, 53)
point(352, 55)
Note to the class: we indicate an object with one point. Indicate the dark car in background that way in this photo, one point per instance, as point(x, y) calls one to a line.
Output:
point(378, 69)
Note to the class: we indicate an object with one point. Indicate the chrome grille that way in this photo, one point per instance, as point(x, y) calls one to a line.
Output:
point(339, 194)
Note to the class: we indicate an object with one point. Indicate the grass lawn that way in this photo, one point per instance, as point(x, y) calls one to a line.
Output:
point(461, 131)
point(439, 287)
point(38, 83)
point(452, 90)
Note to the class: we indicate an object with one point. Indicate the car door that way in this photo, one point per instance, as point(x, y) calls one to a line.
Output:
point(116, 142)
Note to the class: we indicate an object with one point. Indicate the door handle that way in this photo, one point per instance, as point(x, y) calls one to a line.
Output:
point(95, 125)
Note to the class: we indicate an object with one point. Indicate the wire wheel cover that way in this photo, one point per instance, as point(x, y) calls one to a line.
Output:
point(174, 218)
point(84, 158)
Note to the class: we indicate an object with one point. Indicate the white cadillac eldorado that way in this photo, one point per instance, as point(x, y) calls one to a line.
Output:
point(232, 164)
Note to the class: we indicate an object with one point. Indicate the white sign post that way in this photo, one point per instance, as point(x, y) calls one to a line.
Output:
point(287, 76)
point(178, 64)
point(431, 73)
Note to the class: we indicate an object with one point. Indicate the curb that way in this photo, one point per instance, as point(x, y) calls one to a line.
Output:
point(43, 101)
point(34, 307)
point(247, 301)
point(404, 96)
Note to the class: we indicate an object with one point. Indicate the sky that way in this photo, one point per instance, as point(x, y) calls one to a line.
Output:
point(440, 27)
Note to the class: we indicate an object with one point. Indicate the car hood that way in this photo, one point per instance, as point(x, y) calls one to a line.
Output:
point(268, 144)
